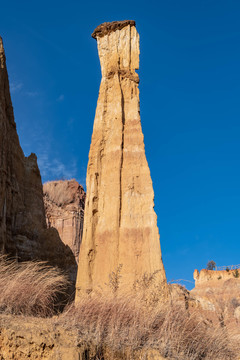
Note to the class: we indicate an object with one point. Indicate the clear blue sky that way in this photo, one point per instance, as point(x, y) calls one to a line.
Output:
point(190, 108)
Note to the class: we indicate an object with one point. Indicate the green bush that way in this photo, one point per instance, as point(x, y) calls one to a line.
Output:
point(211, 265)
point(236, 273)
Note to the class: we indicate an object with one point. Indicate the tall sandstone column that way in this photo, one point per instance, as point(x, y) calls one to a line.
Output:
point(120, 225)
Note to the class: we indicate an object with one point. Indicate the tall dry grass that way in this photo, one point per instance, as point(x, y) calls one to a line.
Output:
point(122, 323)
point(127, 324)
point(30, 288)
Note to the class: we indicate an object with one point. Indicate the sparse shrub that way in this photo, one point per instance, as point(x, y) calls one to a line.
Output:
point(146, 281)
point(29, 288)
point(227, 269)
point(114, 279)
point(211, 265)
point(149, 289)
point(236, 273)
point(219, 277)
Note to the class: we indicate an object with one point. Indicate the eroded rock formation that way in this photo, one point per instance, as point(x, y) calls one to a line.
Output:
point(120, 234)
point(23, 229)
point(206, 277)
point(218, 291)
point(64, 206)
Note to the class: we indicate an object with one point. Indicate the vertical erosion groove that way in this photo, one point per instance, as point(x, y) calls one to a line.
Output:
point(122, 149)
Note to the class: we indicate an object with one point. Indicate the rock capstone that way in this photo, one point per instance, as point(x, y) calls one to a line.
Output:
point(120, 243)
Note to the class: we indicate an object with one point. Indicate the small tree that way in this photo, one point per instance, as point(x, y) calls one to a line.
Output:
point(211, 265)
point(236, 273)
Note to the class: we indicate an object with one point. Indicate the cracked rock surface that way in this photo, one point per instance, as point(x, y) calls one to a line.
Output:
point(120, 234)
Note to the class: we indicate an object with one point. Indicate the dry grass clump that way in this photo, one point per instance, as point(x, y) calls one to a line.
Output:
point(128, 324)
point(30, 288)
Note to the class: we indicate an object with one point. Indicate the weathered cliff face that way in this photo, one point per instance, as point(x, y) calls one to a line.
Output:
point(219, 291)
point(64, 206)
point(206, 277)
point(23, 229)
point(120, 231)
point(20, 178)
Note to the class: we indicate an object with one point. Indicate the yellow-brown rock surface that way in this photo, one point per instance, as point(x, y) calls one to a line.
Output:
point(218, 291)
point(23, 230)
point(120, 226)
point(64, 206)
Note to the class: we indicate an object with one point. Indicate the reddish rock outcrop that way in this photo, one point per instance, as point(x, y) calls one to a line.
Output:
point(120, 242)
point(23, 229)
point(64, 206)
